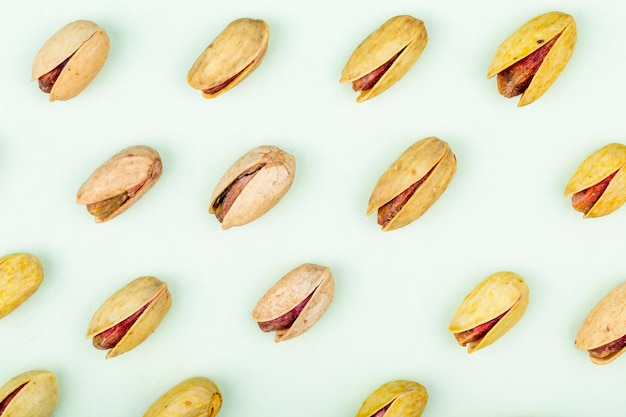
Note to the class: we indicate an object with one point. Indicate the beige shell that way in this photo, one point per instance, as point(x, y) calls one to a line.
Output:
point(264, 191)
point(403, 398)
point(194, 397)
point(530, 37)
point(236, 52)
point(21, 275)
point(594, 169)
point(86, 43)
point(290, 291)
point(605, 323)
point(427, 155)
point(37, 397)
point(400, 33)
point(122, 172)
point(502, 292)
point(127, 301)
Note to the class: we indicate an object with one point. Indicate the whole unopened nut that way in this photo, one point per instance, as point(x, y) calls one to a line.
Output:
point(194, 397)
point(21, 275)
point(401, 398)
point(30, 394)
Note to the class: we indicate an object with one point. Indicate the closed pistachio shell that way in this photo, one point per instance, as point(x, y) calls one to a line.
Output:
point(529, 39)
point(130, 315)
point(490, 310)
point(230, 58)
point(399, 398)
point(21, 275)
point(413, 183)
point(598, 186)
point(118, 183)
point(194, 397)
point(85, 47)
point(296, 302)
point(254, 184)
point(30, 394)
point(603, 332)
point(401, 40)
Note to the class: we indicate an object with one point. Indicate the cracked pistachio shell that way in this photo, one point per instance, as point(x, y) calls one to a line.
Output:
point(403, 399)
point(231, 57)
point(502, 292)
point(85, 44)
point(594, 169)
point(20, 276)
point(274, 171)
point(194, 397)
point(124, 303)
point(429, 155)
point(604, 324)
point(125, 178)
point(37, 395)
point(290, 291)
point(530, 37)
point(400, 34)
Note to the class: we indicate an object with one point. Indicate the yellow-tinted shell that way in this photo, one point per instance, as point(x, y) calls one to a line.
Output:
point(21, 275)
point(530, 37)
point(500, 292)
point(398, 33)
point(237, 51)
point(86, 43)
point(194, 397)
point(409, 400)
point(36, 399)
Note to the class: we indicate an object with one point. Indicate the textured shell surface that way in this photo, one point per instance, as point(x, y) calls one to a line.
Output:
point(194, 397)
point(37, 398)
point(21, 275)
point(409, 400)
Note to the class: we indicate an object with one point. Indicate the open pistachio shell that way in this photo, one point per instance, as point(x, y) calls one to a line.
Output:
point(598, 186)
point(230, 58)
point(412, 183)
point(495, 305)
point(31, 394)
point(254, 184)
point(399, 398)
point(130, 315)
point(402, 36)
point(84, 45)
point(530, 37)
point(194, 397)
point(21, 275)
point(296, 302)
point(603, 331)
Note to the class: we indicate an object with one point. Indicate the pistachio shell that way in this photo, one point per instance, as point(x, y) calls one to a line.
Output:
point(275, 172)
point(500, 293)
point(530, 37)
point(37, 396)
point(429, 155)
point(236, 52)
point(127, 301)
point(404, 34)
point(20, 276)
point(88, 46)
point(404, 399)
point(120, 175)
point(290, 291)
point(194, 397)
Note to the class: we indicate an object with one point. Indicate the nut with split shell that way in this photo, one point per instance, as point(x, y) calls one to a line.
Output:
point(30, 394)
point(21, 275)
point(400, 398)
point(196, 396)
point(130, 315)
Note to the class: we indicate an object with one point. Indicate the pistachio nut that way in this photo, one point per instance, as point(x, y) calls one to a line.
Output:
point(490, 310)
point(120, 182)
point(252, 186)
point(530, 60)
point(399, 398)
point(603, 332)
point(129, 316)
point(385, 56)
point(598, 186)
point(412, 183)
point(30, 394)
point(296, 302)
point(20, 276)
point(230, 58)
point(70, 59)
point(194, 397)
